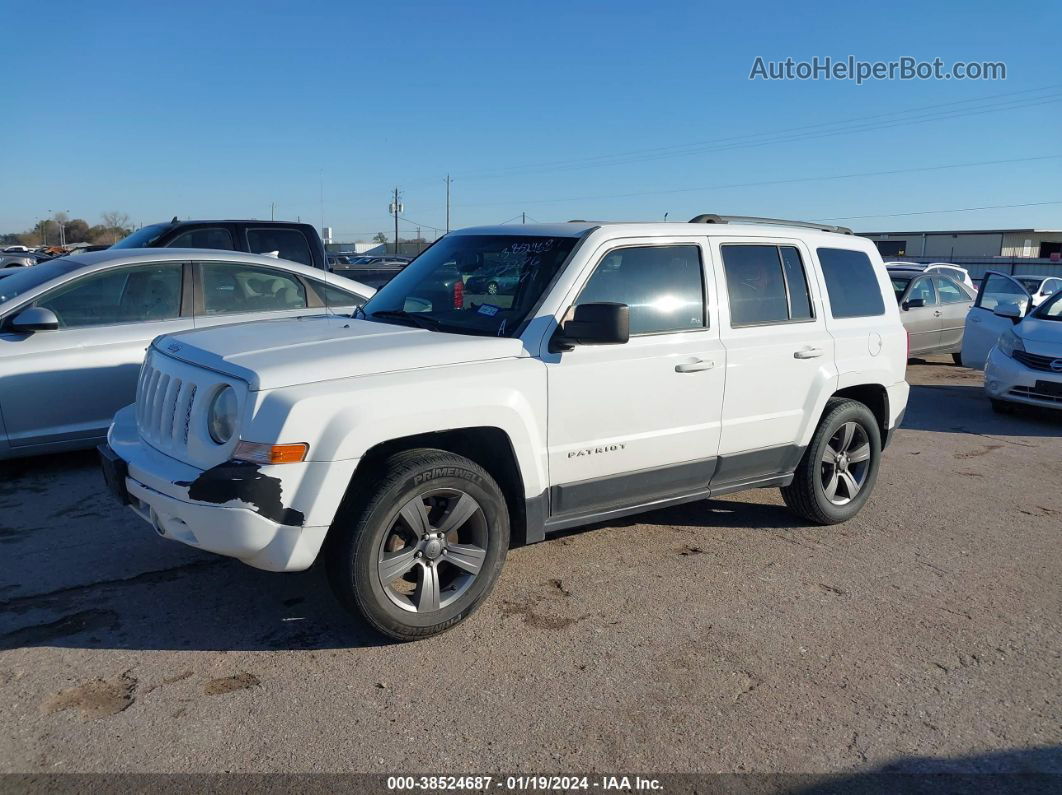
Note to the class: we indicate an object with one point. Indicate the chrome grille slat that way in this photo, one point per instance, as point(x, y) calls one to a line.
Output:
point(169, 409)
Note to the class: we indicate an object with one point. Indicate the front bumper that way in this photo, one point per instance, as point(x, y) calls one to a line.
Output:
point(270, 517)
point(1008, 379)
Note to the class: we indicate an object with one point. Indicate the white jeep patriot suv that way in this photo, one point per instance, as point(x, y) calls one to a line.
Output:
point(626, 366)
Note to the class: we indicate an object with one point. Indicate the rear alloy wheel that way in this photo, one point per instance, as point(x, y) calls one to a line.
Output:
point(418, 550)
point(492, 288)
point(837, 473)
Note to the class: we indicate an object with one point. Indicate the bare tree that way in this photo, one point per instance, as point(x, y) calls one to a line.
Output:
point(118, 224)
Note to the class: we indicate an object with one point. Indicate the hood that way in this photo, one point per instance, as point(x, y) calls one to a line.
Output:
point(1045, 336)
point(271, 354)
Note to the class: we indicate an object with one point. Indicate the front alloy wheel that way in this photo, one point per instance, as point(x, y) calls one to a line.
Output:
point(434, 550)
point(418, 543)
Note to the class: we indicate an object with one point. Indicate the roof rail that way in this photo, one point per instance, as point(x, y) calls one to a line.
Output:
point(711, 218)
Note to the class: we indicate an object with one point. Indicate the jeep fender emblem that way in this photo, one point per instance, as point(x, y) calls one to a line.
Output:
point(173, 347)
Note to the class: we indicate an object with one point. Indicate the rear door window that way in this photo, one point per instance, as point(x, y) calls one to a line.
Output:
point(212, 237)
point(949, 291)
point(290, 244)
point(765, 284)
point(851, 283)
point(234, 288)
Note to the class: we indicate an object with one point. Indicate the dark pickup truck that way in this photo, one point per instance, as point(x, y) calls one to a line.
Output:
point(292, 241)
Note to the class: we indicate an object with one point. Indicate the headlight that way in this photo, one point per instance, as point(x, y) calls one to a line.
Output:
point(221, 418)
point(1009, 342)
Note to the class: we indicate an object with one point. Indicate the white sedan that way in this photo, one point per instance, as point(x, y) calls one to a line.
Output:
point(73, 330)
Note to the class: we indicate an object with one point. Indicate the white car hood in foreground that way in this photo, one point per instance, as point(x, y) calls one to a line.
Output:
point(276, 353)
point(1045, 336)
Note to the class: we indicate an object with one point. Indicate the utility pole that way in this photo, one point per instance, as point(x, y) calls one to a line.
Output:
point(396, 208)
point(523, 218)
point(272, 211)
point(448, 183)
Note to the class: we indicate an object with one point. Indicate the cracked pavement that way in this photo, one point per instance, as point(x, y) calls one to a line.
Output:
point(717, 636)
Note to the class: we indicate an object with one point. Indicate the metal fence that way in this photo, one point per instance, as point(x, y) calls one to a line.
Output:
point(977, 266)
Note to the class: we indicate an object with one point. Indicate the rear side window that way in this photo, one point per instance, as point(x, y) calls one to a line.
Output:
point(949, 291)
point(851, 283)
point(765, 284)
point(662, 285)
point(217, 237)
point(290, 244)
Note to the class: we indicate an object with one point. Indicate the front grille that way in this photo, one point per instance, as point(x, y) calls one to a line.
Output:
point(1030, 392)
point(164, 408)
point(1035, 361)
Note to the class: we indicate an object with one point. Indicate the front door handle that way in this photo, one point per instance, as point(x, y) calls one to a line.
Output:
point(697, 366)
point(808, 353)
point(938, 313)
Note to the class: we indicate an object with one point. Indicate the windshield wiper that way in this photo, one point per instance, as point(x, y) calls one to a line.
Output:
point(415, 318)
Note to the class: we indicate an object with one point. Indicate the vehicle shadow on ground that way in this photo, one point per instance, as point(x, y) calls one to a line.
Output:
point(1019, 770)
point(167, 597)
point(955, 408)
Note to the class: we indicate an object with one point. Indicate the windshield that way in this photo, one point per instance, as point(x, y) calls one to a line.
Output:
point(451, 286)
point(26, 279)
point(899, 284)
point(143, 237)
point(1051, 309)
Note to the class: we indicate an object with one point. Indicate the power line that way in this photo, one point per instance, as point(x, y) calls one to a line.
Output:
point(933, 212)
point(768, 182)
point(935, 112)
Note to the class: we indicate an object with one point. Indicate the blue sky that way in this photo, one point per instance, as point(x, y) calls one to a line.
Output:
point(218, 109)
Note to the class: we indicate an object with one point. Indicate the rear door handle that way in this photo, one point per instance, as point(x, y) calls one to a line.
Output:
point(697, 366)
point(808, 353)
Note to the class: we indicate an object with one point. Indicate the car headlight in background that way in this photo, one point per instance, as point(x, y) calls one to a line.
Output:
point(1009, 342)
point(221, 417)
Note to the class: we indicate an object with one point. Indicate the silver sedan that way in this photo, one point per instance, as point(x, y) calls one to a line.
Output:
point(933, 310)
point(73, 330)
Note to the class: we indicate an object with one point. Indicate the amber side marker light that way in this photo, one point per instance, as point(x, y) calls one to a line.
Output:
point(260, 453)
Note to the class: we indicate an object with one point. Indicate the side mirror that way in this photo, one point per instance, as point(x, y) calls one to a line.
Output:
point(594, 324)
point(1011, 311)
point(914, 303)
point(34, 318)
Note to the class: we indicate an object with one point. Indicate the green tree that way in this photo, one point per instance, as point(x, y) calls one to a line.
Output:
point(379, 237)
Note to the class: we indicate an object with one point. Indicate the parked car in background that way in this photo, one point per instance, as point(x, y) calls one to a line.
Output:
point(22, 259)
point(1001, 302)
point(957, 272)
point(1040, 288)
point(933, 309)
point(291, 241)
point(15, 249)
point(497, 280)
point(73, 330)
point(1025, 365)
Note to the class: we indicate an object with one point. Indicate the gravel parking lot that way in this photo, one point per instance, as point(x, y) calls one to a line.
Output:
point(719, 636)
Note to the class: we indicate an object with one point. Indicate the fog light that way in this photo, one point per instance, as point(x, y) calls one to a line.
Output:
point(261, 453)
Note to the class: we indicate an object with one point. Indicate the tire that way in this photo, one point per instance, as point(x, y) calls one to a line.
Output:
point(807, 495)
point(957, 358)
point(381, 528)
point(492, 288)
point(1002, 406)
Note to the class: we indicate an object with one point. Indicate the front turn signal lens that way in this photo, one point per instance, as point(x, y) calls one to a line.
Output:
point(261, 453)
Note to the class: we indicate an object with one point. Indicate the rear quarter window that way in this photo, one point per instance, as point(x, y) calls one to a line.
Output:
point(851, 283)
